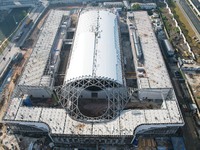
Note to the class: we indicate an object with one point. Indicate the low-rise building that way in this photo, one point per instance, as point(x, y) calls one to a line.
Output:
point(145, 5)
point(95, 76)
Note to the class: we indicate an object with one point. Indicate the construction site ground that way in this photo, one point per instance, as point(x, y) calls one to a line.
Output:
point(182, 50)
point(191, 36)
point(194, 81)
point(32, 39)
point(174, 34)
point(64, 56)
point(93, 107)
point(65, 52)
point(7, 141)
point(97, 107)
point(127, 59)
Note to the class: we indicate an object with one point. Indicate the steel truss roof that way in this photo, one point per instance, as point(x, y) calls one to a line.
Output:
point(117, 97)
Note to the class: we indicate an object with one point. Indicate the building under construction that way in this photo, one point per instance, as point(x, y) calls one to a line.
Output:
point(90, 101)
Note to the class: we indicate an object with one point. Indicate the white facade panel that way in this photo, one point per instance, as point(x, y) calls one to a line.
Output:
point(96, 49)
point(108, 58)
point(39, 91)
point(153, 93)
point(81, 61)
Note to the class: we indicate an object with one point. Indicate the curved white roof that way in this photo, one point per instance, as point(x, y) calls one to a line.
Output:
point(96, 49)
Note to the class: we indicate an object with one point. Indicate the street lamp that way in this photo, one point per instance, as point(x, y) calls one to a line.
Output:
point(15, 20)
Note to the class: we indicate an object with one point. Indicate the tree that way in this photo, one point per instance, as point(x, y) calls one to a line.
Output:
point(136, 7)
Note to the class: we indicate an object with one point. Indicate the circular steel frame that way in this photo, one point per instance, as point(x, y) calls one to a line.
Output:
point(117, 96)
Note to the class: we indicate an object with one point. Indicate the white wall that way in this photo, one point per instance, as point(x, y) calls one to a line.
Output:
point(152, 93)
point(38, 125)
point(146, 127)
point(39, 92)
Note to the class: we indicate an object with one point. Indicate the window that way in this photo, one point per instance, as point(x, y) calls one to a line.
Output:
point(94, 95)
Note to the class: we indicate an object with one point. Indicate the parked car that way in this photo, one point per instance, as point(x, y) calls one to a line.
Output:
point(197, 120)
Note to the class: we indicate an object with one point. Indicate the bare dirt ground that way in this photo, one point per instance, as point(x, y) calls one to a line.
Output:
point(8, 141)
point(142, 105)
point(175, 37)
point(97, 107)
point(194, 80)
point(93, 107)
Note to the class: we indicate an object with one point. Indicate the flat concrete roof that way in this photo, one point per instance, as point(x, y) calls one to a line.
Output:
point(125, 124)
point(156, 74)
point(35, 68)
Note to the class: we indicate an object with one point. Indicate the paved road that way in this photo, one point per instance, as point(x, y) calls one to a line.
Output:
point(8, 56)
point(195, 21)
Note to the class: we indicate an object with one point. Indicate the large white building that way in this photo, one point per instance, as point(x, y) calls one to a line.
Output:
point(95, 71)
